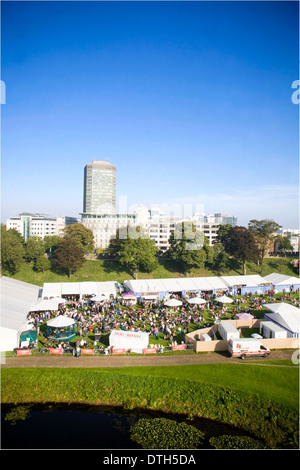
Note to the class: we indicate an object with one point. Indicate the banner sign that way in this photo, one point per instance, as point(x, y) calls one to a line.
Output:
point(23, 352)
point(177, 347)
point(88, 351)
point(149, 350)
point(118, 351)
point(55, 351)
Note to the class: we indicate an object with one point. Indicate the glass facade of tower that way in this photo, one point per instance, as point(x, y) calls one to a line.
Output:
point(99, 188)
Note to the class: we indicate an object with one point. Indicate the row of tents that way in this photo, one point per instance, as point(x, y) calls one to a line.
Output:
point(234, 285)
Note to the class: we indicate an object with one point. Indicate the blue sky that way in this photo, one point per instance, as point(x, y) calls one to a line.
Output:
point(190, 100)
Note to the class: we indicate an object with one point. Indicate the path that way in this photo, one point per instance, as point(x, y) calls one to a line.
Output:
point(134, 361)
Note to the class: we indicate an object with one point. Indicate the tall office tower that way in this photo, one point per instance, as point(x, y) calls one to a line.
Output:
point(99, 196)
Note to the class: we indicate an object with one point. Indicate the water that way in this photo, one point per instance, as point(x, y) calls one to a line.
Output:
point(86, 427)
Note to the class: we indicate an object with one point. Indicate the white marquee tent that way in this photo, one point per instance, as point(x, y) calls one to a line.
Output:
point(134, 340)
point(285, 315)
point(282, 282)
point(165, 287)
point(17, 298)
point(80, 289)
point(47, 305)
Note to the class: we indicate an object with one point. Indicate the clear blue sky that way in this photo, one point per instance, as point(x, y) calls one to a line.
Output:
point(190, 100)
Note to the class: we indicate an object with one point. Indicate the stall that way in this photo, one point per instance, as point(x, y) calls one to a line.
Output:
point(128, 299)
point(133, 341)
point(61, 328)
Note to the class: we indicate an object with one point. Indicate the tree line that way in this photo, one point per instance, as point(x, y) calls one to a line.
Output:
point(134, 251)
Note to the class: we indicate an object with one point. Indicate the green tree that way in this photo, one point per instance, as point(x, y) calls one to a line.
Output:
point(68, 257)
point(52, 242)
point(284, 243)
point(240, 243)
point(34, 248)
point(221, 258)
point(12, 250)
point(83, 237)
point(42, 264)
point(188, 247)
point(264, 232)
point(134, 250)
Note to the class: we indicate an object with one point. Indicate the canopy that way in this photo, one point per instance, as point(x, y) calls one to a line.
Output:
point(60, 322)
point(45, 305)
point(196, 300)
point(282, 279)
point(134, 340)
point(173, 303)
point(224, 299)
point(244, 316)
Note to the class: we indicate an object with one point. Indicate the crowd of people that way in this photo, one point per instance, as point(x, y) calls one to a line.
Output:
point(95, 319)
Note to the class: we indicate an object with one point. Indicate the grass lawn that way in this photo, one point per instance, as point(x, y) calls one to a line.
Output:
point(279, 384)
point(108, 270)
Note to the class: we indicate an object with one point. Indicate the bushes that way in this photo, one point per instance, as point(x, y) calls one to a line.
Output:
point(235, 442)
point(163, 433)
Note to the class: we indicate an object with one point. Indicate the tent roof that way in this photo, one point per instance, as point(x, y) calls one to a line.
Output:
point(282, 279)
point(17, 297)
point(285, 315)
point(60, 321)
point(248, 281)
point(175, 284)
point(244, 316)
point(45, 305)
point(224, 299)
point(55, 289)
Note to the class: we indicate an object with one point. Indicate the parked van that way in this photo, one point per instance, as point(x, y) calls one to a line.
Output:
point(244, 347)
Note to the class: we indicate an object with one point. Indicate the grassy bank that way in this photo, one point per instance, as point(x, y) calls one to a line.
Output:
point(219, 392)
point(108, 270)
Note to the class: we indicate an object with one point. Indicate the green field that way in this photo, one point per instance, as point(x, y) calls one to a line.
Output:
point(108, 270)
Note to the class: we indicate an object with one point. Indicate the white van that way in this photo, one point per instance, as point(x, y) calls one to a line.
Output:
point(244, 347)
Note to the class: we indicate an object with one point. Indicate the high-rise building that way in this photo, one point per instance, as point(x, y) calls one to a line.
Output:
point(99, 195)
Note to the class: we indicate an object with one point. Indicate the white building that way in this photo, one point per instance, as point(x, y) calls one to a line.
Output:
point(39, 225)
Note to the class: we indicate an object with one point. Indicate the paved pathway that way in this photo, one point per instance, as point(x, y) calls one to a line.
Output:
point(128, 361)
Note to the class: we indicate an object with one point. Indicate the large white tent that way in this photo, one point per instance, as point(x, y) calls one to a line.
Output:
point(285, 315)
point(17, 298)
point(246, 283)
point(136, 341)
point(283, 282)
point(47, 305)
point(165, 287)
point(79, 289)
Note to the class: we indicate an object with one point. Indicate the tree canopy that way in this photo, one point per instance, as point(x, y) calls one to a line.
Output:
point(12, 250)
point(188, 246)
point(264, 232)
point(83, 237)
point(239, 242)
point(135, 252)
point(69, 257)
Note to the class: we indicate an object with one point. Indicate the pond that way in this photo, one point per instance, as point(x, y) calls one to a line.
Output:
point(84, 427)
